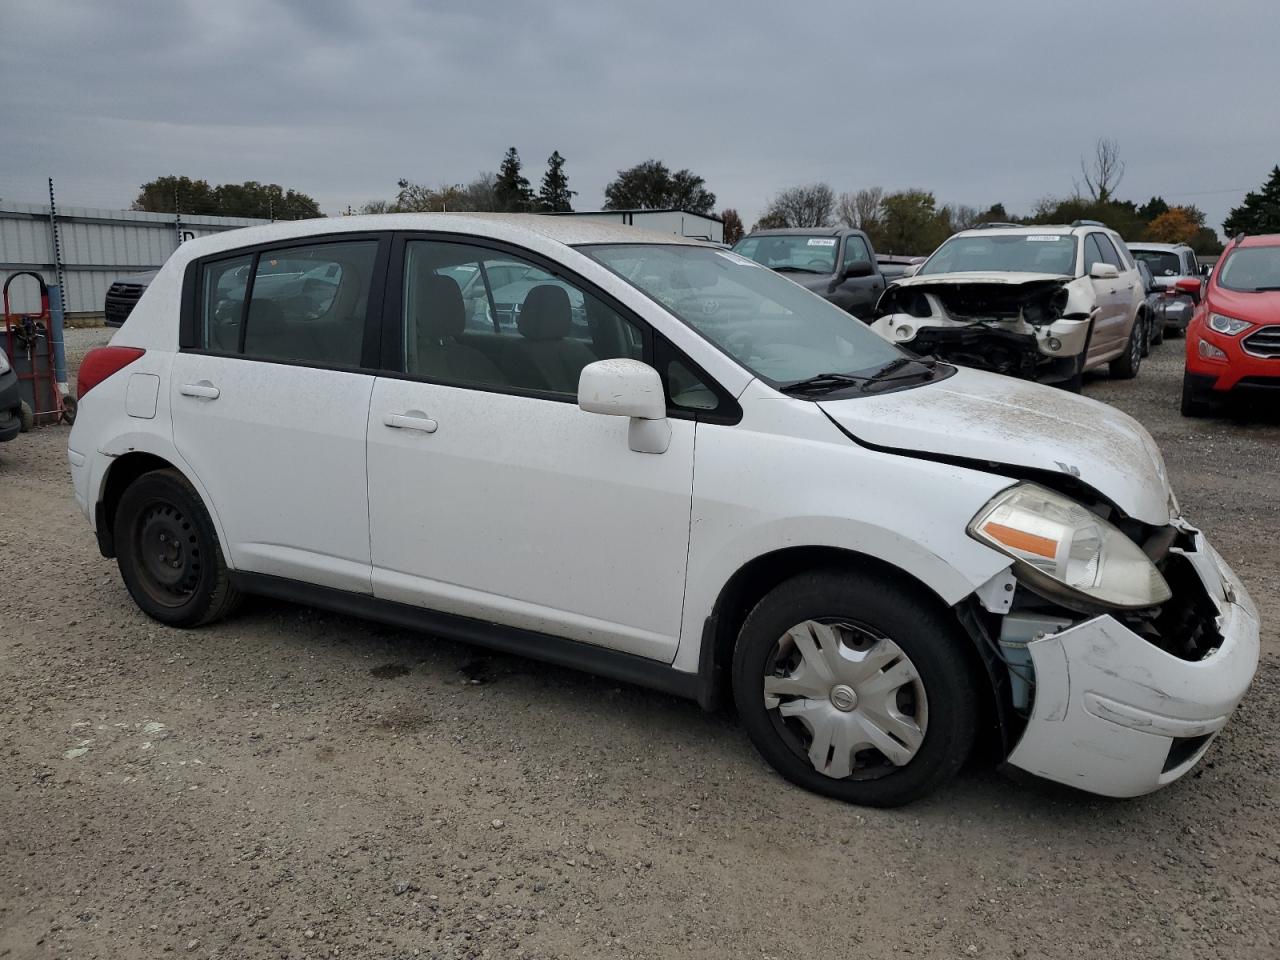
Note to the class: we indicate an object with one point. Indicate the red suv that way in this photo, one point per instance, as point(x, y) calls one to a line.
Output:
point(1233, 340)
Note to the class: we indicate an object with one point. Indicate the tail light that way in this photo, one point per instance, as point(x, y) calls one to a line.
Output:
point(102, 362)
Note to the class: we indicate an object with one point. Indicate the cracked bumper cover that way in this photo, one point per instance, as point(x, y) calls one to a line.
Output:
point(1110, 707)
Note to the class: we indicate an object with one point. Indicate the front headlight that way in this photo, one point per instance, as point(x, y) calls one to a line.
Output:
point(1228, 325)
point(4, 362)
point(1065, 552)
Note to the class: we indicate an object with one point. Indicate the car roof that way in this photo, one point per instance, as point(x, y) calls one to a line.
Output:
point(803, 232)
point(1261, 240)
point(1168, 247)
point(512, 227)
point(1061, 229)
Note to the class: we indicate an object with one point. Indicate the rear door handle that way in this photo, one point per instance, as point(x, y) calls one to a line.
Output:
point(204, 390)
point(411, 420)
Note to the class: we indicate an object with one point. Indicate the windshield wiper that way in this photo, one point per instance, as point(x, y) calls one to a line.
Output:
point(823, 381)
point(797, 270)
point(1266, 289)
point(882, 375)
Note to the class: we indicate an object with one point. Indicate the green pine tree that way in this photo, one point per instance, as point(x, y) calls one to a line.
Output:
point(1260, 212)
point(511, 190)
point(555, 195)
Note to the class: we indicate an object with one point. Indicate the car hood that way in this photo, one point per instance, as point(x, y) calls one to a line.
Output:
point(992, 276)
point(978, 416)
point(1260, 308)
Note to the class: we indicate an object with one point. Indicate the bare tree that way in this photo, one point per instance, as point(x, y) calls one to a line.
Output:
point(961, 216)
point(1105, 173)
point(861, 209)
point(811, 205)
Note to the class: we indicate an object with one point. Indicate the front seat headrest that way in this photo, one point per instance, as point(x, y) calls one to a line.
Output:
point(545, 314)
point(439, 309)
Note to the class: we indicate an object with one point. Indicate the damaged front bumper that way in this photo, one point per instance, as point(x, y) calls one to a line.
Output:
point(1049, 352)
point(1116, 715)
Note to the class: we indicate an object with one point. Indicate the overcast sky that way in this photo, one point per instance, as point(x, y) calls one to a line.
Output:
point(978, 101)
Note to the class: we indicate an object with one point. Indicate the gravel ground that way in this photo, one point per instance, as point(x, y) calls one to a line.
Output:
point(292, 783)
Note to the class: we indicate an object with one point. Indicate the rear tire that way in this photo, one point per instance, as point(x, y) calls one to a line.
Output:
point(869, 676)
point(1196, 400)
point(1125, 366)
point(168, 552)
point(26, 417)
point(1157, 333)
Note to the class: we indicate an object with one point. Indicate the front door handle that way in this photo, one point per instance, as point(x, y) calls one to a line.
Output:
point(410, 420)
point(204, 390)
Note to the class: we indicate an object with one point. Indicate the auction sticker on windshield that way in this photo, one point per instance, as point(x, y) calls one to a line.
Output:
point(1050, 237)
point(821, 242)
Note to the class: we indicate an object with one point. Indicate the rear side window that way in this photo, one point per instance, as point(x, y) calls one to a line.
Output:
point(304, 304)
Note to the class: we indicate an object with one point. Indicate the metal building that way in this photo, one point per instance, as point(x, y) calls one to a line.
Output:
point(98, 247)
point(680, 222)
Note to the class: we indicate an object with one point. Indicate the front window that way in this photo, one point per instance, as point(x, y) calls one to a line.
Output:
point(1004, 252)
point(1251, 270)
point(1161, 263)
point(791, 253)
point(775, 328)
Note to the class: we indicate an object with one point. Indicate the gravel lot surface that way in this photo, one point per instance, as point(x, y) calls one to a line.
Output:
point(292, 783)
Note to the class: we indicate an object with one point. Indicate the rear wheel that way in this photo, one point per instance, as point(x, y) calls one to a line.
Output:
point(26, 417)
point(168, 552)
point(856, 688)
point(1125, 366)
point(1197, 401)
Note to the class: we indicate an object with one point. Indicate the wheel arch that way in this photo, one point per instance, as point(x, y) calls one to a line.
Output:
point(123, 470)
point(744, 589)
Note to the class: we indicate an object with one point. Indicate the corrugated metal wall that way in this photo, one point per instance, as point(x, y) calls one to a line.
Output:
point(98, 247)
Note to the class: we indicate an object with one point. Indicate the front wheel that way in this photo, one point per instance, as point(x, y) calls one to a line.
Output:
point(856, 688)
point(168, 552)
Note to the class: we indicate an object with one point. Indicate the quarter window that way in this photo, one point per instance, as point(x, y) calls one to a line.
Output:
point(304, 304)
point(475, 316)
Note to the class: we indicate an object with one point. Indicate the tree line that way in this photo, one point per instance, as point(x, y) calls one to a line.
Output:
point(910, 221)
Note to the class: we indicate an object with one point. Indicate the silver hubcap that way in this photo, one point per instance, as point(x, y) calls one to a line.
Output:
point(846, 697)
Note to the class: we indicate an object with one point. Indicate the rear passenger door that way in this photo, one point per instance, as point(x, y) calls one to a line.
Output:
point(271, 399)
point(491, 495)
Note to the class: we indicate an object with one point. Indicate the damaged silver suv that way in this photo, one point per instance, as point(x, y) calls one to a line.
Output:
point(1043, 303)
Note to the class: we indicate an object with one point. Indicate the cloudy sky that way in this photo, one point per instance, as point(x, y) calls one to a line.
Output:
point(979, 101)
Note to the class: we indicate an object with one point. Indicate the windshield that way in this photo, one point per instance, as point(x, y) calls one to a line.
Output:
point(791, 253)
point(1250, 269)
point(775, 328)
point(1005, 252)
point(1162, 263)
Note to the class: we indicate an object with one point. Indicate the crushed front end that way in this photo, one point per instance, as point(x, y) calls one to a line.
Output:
point(1123, 703)
point(1028, 328)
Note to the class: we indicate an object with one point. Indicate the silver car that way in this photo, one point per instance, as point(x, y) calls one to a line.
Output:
point(1169, 263)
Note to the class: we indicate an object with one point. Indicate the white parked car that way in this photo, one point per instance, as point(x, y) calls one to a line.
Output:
point(1043, 303)
point(717, 482)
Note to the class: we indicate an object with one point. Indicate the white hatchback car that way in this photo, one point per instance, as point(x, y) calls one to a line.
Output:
point(663, 463)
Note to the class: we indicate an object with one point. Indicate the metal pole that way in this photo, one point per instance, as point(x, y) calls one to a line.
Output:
point(56, 312)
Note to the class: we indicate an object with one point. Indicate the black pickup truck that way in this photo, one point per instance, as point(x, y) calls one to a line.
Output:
point(837, 263)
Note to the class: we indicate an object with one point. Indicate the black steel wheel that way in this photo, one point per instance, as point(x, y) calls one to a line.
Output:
point(168, 552)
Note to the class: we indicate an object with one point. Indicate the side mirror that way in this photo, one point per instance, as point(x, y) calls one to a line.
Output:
point(1189, 285)
point(858, 268)
point(911, 270)
point(628, 388)
point(1104, 271)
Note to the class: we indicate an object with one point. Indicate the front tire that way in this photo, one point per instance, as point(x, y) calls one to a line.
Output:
point(168, 552)
point(856, 688)
point(1196, 400)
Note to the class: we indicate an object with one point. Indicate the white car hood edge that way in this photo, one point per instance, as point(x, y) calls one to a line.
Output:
point(981, 416)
